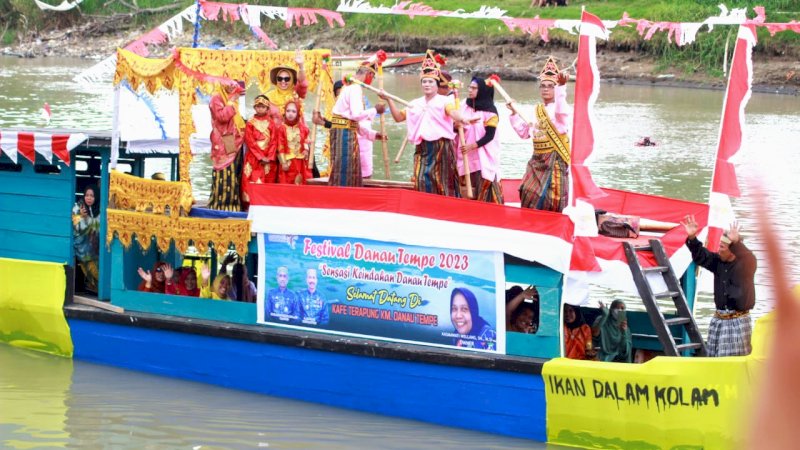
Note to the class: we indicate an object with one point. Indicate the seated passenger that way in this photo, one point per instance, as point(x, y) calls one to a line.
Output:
point(242, 288)
point(155, 280)
point(521, 316)
point(185, 283)
point(220, 288)
point(614, 337)
point(577, 334)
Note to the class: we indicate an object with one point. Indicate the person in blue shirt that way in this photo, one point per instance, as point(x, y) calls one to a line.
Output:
point(281, 303)
point(313, 307)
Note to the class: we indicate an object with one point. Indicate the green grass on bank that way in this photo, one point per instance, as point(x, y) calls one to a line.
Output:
point(22, 19)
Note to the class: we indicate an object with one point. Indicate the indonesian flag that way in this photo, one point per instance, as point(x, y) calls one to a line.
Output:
point(27, 144)
point(724, 184)
point(587, 87)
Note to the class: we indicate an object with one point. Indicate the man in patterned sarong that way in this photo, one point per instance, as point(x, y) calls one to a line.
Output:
point(348, 111)
point(545, 184)
point(259, 163)
point(734, 269)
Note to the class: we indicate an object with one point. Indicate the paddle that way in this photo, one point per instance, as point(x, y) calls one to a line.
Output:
point(494, 81)
point(384, 142)
point(352, 79)
point(454, 85)
point(402, 147)
point(313, 145)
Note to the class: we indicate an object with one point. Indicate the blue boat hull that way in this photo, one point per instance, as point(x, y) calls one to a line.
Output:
point(488, 400)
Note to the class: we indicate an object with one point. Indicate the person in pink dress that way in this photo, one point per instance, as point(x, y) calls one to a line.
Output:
point(545, 184)
point(479, 120)
point(227, 135)
point(430, 128)
point(348, 111)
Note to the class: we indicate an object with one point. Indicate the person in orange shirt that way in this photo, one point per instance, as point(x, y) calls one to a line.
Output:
point(577, 334)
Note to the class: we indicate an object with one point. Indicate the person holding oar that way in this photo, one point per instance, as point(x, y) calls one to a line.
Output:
point(545, 184)
point(348, 111)
point(479, 119)
point(430, 128)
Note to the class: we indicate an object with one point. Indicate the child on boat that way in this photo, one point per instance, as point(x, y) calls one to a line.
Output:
point(293, 148)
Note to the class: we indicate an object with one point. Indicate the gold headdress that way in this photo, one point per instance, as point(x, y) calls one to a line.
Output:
point(430, 68)
point(261, 100)
point(549, 71)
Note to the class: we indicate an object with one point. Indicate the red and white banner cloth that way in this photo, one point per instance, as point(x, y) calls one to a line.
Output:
point(724, 184)
point(412, 218)
point(27, 144)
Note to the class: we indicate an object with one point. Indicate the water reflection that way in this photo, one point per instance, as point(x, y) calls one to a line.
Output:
point(51, 402)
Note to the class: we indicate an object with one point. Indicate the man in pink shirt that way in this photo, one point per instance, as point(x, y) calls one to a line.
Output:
point(430, 129)
point(545, 184)
point(348, 111)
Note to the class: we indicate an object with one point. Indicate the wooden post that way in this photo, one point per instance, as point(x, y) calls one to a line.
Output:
point(462, 142)
point(402, 147)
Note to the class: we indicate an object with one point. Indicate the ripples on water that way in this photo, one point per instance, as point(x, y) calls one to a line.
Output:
point(51, 402)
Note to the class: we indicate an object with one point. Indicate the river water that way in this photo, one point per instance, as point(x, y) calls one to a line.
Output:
point(684, 123)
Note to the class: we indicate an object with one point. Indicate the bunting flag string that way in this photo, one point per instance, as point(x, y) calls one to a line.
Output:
point(28, 144)
point(248, 14)
point(63, 6)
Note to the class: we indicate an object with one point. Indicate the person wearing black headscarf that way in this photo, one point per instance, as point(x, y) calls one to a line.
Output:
point(86, 242)
point(473, 330)
point(482, 149)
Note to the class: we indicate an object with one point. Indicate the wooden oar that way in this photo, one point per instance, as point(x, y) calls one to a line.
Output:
point(494, 81)
point(402, 147)
point(384, 142)
point(313, 145)
point(352, 79)
point(454, 85)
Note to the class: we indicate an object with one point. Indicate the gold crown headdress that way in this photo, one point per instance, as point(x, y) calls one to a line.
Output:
point(261, 100)
point(430, 68)
point(549, 71)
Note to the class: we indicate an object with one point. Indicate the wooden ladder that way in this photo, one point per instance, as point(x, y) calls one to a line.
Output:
point(674, 291)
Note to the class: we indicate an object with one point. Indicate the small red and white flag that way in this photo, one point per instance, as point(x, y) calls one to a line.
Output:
point(28, 144)
point(724, 184)
point(45, 113)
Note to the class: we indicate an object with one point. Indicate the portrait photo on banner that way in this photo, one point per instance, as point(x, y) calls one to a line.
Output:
point(383, 290)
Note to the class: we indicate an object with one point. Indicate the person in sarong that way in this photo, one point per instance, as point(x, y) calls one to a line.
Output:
point(545, 184)
point(345, 155)
point(86, 242)
point(227, 135)
point(734, 269)
point(479, 119)
point(293, 149)
point(610, 330)
point(259, 162)
point(430, 128)
point(290, 84)
point(577, 334)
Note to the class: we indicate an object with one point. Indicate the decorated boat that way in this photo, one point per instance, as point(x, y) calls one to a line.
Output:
point(382, 265)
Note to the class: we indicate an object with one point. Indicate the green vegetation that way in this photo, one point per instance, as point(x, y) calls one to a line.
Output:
point(23, 19)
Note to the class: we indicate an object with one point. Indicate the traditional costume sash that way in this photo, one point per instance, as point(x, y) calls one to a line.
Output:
point(547, 138)
point(343, 122)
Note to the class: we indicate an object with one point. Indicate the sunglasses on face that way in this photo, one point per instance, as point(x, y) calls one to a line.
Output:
point(283, 79)
point(159, 269)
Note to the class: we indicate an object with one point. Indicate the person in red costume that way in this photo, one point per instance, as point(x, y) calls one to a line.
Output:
point(260, 137)
point(227, 135)
point(293, 154)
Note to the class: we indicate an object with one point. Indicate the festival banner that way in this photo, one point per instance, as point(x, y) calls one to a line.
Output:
point(384, 290)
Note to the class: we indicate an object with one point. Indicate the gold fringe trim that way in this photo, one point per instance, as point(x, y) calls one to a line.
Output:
point(180, 230)
point(143, 195)
point(153, 74)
